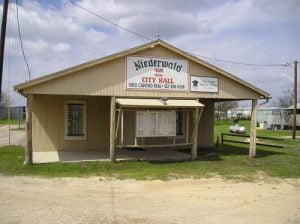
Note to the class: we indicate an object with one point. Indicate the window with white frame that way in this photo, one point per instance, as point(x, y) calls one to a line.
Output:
point(75, 120)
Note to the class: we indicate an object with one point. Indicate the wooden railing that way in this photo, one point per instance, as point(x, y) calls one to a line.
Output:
point(247, 142)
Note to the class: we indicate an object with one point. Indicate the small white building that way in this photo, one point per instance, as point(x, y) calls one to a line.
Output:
point(277, 118)
point(242, 113)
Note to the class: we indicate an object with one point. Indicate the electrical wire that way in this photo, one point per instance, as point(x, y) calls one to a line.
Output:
point(109, 21)
point(147, 38)
point(142, 36)
point(21, 41)
point(242, 63)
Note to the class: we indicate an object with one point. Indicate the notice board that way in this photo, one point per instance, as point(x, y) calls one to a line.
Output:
point(155, 123)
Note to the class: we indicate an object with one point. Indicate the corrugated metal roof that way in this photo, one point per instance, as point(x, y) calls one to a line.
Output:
point(158, 103)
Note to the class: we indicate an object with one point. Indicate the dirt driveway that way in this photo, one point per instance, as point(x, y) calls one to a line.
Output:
point(99, 200)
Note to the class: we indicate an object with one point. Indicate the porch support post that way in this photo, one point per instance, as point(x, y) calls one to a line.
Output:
point(118, 124)
point(122, 128)
point(194, 139)
point(194, 151)
point(252, 146)
point(187, 126)
point(28, 152)
point(112, 139)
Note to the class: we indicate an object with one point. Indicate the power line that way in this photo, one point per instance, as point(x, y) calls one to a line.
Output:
point(109, 21)
point(242, 63)
point(142, 36)
point(21, 42)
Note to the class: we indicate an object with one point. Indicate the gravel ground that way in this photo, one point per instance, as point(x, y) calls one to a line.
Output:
point(100, 200)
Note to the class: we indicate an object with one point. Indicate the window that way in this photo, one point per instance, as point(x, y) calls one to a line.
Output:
point(75, 120)
point(180, 123)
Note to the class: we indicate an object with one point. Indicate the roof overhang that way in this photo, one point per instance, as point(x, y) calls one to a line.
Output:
point(20, 87)
point(157, 103)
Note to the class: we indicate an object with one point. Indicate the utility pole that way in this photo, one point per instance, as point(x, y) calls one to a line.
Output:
point(295, 100)
point(2, 40)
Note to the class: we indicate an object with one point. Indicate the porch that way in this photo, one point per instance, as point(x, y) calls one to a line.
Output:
point(124, 154)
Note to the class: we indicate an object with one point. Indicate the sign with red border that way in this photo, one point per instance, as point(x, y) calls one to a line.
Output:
point(151, 73)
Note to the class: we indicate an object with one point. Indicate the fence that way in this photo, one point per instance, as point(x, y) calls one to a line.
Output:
point(16, 113)
point(248, 142)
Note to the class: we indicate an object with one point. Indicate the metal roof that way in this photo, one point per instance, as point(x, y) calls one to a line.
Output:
point(158, 103)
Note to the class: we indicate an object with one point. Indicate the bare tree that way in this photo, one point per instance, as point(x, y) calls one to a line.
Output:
point(3, 100)
point(221, 108)
point(286, 100)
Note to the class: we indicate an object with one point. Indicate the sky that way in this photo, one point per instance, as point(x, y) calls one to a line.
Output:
point(57, 34)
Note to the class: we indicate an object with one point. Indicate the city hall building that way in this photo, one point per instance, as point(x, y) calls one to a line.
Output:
point(151, 96)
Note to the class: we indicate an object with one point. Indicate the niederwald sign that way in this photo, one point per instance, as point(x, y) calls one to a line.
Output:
point(149, 73)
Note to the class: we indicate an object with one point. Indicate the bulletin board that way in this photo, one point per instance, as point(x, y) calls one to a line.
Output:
point(155, 123)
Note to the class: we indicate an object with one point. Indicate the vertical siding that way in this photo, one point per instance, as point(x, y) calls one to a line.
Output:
point(206, 125)
point(96, 85)
point(108, 79)
point(49, 118)
point(47, 123)
point(129, 127)
point(98, 123)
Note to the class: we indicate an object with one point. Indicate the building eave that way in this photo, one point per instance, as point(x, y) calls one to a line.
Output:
point(20, 87)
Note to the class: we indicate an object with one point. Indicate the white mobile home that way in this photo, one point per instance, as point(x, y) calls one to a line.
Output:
point(277, 118)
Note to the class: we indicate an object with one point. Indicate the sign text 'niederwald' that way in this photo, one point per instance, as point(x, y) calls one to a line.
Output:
point(144, 73)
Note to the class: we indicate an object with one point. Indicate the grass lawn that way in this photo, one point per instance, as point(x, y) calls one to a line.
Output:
point(232, 161)
point(12, 122)
point(222, 127)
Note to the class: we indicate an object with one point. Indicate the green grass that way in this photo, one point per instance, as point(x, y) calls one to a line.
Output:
point(223, 125)
point(12, 122)
point(232, 161)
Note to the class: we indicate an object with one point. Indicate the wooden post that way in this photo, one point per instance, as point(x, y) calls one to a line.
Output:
point(295, 101)
point(252, 147)
point(112, 139)
point(122, 128)
point(28, 152)
point(9, 121)
point(222, 138)
point(187, 122)
point(135, 141)
point(194, 151)
point(118, 125)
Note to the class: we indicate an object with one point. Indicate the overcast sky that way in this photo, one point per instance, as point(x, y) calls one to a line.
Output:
point(57, 34)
